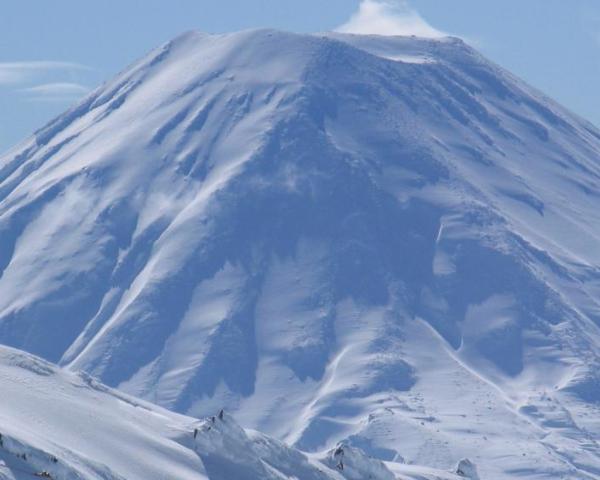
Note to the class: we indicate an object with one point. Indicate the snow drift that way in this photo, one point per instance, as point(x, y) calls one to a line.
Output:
point(66, 426)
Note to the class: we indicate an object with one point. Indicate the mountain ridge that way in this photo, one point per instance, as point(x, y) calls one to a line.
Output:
point(76, 428)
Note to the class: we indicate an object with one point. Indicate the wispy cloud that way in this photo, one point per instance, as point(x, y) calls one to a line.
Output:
point(388, 17)
point(20, 72)
point(44, 81)
point(60, 91)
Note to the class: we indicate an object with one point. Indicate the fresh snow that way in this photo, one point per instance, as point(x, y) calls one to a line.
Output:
point(387, 243)
point(65, 426)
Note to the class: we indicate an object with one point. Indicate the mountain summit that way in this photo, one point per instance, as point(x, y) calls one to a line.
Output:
point(385, 241)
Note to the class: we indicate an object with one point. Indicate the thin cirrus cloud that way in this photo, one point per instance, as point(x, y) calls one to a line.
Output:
point(43, 81)
point(12, 73)
point(59, 91)
point(388, 17)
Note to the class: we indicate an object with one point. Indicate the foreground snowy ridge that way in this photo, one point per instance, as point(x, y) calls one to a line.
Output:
point(66, 426)
point(385, 243)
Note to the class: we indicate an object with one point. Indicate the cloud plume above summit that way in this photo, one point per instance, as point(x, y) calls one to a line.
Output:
point(388, 17)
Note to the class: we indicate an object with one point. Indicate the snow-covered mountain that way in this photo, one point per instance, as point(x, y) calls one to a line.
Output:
point(386, 242)
point(67, 426)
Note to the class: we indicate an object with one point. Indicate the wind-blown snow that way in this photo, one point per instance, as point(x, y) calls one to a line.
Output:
point(386, 242)
point(60, 425)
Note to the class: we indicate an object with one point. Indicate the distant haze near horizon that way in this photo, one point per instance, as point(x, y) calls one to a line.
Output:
point(52, 53)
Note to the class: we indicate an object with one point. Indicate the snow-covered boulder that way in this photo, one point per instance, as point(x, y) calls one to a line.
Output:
point(230, 452)
point(467, 469)
point(227, 452)
point(354, 464)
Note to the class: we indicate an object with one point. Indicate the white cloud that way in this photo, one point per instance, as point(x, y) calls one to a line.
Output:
point(12, 73)
point(388, 17)
point(60, 91)
point(62, 88)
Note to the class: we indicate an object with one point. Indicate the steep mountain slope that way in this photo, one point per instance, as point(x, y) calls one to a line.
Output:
point(386, 241)
point(60, 425)
point(72, 427)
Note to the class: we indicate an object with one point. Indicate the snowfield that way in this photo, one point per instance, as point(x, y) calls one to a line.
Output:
point(387, 243)
point(66, 426)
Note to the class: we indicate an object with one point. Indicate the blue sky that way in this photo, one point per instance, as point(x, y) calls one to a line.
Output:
point(52, 52)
